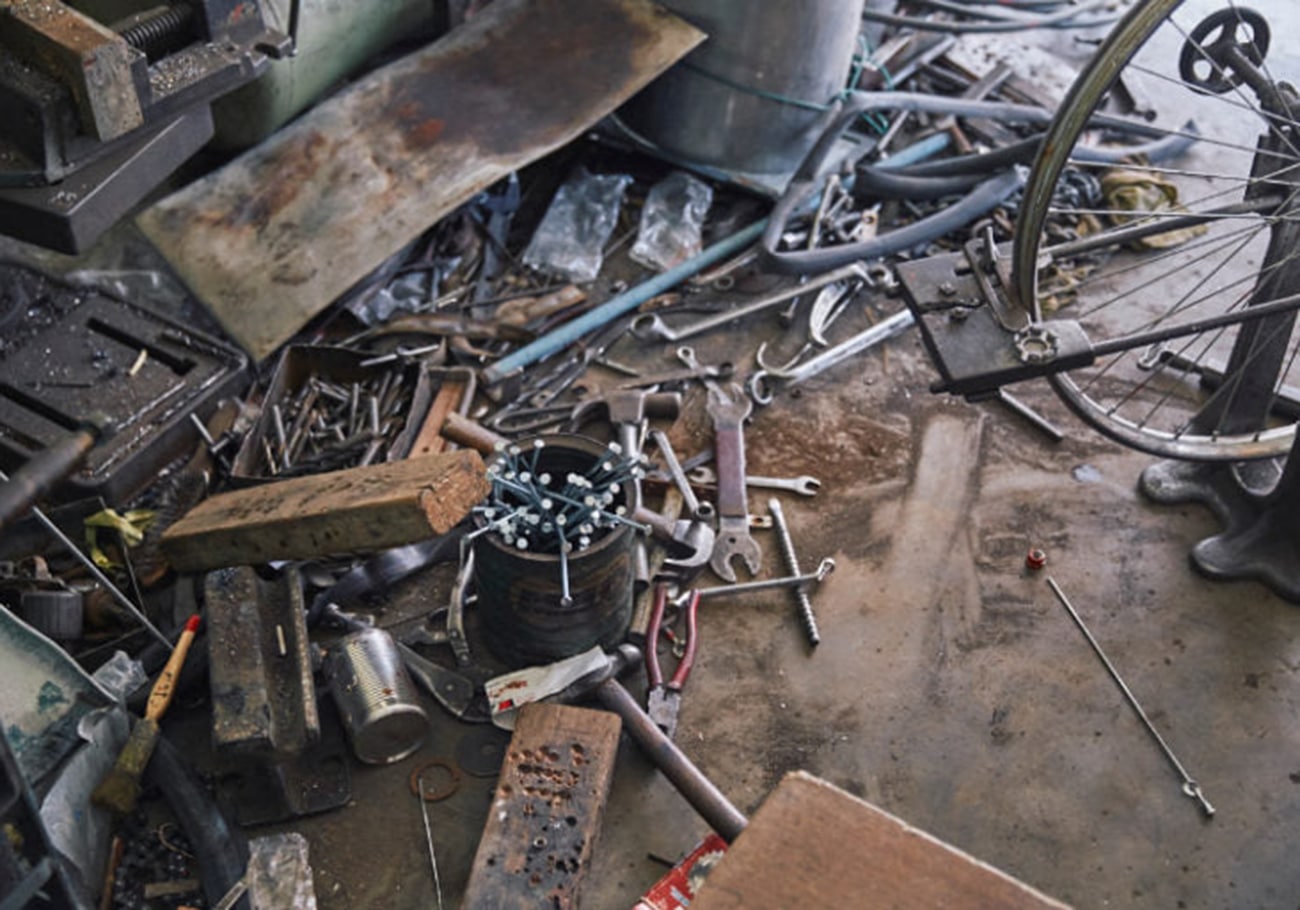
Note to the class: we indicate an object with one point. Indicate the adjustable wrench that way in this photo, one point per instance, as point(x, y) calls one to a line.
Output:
point(729, 406)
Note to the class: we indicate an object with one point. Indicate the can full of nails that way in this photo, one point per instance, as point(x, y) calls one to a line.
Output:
point(553, 551)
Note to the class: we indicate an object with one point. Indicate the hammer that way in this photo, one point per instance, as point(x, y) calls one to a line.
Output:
point(627, 409)
point(703, 795)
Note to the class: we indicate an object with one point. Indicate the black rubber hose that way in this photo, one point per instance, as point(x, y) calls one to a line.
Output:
point(219, 845)
point(979, 201)
point(949, 176)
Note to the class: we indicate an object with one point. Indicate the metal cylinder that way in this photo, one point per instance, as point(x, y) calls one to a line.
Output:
point(58, 613)
point(376, 698)
point(520, 596)
point(728, 103)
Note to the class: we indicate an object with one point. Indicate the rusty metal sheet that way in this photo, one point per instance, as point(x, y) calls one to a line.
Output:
point(275, 236)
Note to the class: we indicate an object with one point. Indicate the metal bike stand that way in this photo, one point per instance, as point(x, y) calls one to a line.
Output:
point(1261, 539)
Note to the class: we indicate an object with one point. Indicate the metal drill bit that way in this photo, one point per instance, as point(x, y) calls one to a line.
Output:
point(806, 617)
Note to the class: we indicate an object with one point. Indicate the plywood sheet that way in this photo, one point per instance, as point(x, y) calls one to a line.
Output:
point(813, 846)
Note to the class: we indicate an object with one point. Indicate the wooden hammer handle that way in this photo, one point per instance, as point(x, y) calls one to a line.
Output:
point(161, 694)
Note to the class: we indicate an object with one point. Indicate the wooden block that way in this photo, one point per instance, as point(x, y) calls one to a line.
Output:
point(269, 240)
point(546, 814)
point(813, 846)
point(368, 508)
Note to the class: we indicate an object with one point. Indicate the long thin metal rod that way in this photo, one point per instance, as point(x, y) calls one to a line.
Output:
point(95, 571)
point(1190, 786)
point(428, 837)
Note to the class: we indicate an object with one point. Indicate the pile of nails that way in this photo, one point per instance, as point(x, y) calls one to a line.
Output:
point(327, 426)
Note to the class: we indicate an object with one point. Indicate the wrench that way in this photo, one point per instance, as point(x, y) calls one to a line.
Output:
point(700, 511)
point(649, 327)
point(729, 406)
point(804, 484)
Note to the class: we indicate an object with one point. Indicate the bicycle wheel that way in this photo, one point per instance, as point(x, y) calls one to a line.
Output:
point(1142, 249)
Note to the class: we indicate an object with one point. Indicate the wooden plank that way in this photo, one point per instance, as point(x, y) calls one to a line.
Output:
point(546, 813)
point(813, 846)
point(368, 508)
point(275, 236)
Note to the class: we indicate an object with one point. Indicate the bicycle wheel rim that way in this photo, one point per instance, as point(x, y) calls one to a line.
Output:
point(1091, 398)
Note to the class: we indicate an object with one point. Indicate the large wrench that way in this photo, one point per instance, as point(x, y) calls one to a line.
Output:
point(649, 327)
point(729, 406)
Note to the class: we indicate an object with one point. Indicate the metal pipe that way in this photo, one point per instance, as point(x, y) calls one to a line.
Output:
point(42, 472)
point(697, 789)
point(611, 309)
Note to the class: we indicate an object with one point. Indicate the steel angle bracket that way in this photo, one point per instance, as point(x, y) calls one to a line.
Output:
point(974, 350)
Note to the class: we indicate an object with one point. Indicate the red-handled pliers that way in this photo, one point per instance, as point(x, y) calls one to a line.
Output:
point(664, 699)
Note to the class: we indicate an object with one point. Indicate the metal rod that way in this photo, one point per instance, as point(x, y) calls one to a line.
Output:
point(95, 571)
point(690, 782)
point(574, 329)
point(1190, 787)
point(428, 838)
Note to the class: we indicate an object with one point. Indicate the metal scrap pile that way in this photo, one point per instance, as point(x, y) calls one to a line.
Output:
point(540, 322)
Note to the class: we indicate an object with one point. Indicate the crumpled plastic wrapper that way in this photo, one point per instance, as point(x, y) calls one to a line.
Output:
point(672, 221)
point(1140, 192)
point(570, 240)
point(279, 874)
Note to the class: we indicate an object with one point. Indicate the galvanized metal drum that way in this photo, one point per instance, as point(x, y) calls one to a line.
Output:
point(520, 600)
point(727, 104)
point(376, 698)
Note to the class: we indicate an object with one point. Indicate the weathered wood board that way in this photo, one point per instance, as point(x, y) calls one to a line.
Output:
point(271, 239)
point(546, 813)
point(359, 509)
point(813, 846)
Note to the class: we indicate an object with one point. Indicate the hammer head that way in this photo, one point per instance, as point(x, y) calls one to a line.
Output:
point(627, 406)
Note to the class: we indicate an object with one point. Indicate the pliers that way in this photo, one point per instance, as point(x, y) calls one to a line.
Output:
point(664, 699)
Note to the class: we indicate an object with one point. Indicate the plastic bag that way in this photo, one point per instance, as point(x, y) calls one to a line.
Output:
point(279, 873)
point(570, 240)
point(672, 221)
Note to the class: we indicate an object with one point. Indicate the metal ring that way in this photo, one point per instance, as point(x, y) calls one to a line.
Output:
point(420, 791)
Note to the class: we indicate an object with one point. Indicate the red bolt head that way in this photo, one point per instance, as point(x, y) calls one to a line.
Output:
point(1035, 559)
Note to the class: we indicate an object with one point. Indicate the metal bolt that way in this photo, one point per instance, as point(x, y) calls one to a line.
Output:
point(806, 616)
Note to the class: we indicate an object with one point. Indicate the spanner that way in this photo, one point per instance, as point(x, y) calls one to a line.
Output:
point(795, 582)
point(649, 327)
point(700, 511)
point(729, 406)
point(804, 484)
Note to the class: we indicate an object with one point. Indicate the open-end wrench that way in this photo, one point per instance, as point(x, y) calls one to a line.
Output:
point(729, 406)
point(649, 327)
point(804, 484)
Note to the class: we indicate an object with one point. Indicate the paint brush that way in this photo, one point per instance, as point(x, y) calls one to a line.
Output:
point(120, 788)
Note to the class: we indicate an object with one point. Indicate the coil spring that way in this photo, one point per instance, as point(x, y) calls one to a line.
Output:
point(159, 31)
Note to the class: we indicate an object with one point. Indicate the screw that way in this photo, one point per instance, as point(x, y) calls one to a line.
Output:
point(806, 616)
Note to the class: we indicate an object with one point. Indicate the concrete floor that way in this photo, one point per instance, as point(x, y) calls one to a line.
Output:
point(950, 688)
